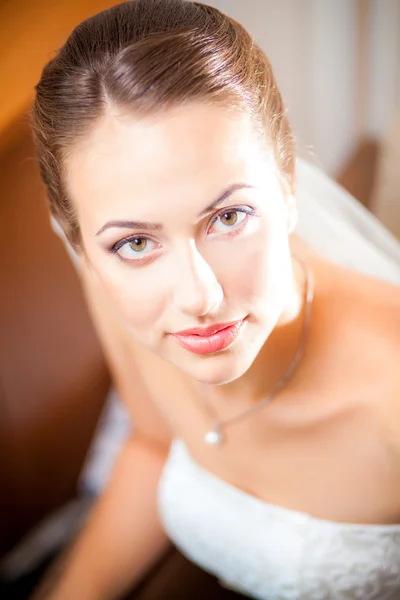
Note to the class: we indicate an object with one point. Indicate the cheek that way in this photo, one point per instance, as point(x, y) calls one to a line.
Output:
point(244, 282)
point(139, 302)
point(258, 271)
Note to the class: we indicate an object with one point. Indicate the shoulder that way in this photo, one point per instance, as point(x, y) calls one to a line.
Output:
point(382, 320)
point(379, 302)
point(376, 313)
point(370, 310)
point(358, 318)
point(359, 301)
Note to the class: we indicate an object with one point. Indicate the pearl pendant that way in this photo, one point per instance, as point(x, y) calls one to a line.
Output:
point(213, 438)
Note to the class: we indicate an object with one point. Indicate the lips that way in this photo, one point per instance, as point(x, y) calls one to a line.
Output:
point(205, 331)
point(210, 339)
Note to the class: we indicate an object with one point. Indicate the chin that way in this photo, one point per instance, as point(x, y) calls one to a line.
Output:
point(219, 368)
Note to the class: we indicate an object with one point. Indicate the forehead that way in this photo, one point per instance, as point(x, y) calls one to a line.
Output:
point(189, 149)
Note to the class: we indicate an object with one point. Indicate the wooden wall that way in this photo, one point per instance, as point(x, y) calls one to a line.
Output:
point(53, 376)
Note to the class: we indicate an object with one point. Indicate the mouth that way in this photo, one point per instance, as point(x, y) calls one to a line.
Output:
point(207, 331)
point(211, 339)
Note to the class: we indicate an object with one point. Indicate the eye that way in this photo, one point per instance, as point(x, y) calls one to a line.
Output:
point(231, 218)
point(134, 248)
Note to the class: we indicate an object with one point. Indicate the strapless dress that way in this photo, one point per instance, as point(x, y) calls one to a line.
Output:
point(269, 552)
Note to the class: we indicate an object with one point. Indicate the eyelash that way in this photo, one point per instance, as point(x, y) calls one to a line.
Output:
point(242, 209)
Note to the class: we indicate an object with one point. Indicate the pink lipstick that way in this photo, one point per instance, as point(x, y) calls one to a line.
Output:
point(211, 339)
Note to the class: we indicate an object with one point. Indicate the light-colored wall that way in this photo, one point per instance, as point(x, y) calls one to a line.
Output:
point(383, 58)
point(311, 46)
point(314, 47)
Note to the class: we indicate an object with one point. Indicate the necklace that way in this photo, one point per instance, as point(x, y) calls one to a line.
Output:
point(215, 435)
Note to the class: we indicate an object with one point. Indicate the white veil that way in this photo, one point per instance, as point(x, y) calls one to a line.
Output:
point(339, 227)
point(333, 223)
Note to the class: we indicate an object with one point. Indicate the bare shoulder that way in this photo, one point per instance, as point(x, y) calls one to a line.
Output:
point(358, 316)
point(366, 313)
point(378, 303)
point(374, 307)
point(360, 298)
point(357, 297)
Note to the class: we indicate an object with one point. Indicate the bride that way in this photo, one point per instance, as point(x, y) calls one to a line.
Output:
point(249, 311)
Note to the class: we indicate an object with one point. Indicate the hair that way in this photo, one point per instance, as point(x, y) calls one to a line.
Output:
point(143, 56)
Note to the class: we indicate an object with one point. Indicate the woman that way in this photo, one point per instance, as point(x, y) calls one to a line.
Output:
point(170, 167)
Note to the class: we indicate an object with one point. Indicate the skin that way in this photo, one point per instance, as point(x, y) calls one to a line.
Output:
point(192, 271)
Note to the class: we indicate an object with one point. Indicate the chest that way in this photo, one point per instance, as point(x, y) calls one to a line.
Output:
point(337, 469)
point(326, 455)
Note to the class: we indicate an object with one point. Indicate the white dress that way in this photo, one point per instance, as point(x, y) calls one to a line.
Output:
point(268, 552)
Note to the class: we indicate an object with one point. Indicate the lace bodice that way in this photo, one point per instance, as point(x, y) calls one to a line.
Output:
point(269, 552)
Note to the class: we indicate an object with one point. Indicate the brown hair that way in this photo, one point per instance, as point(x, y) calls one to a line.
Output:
point(145, 55)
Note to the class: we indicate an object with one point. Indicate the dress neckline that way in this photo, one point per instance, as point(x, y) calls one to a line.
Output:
point(232, 489)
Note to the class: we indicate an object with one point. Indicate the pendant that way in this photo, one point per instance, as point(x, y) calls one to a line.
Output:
point(214, 437)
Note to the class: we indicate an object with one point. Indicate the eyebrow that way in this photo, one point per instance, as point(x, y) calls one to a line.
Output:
point(149, 226)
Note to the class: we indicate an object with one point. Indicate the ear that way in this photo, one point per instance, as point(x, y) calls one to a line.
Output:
point(292, 213)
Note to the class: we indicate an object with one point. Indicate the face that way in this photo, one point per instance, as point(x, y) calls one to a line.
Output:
point(185, 225)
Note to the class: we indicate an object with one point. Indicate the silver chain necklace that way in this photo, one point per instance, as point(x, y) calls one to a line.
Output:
point(215, 435)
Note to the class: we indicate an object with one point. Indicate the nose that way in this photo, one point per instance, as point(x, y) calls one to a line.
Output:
point(197, 290)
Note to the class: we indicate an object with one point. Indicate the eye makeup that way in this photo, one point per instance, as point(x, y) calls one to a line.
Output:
point(141, 258)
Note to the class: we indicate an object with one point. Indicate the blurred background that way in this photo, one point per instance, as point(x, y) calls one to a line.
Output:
point(338, 66)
